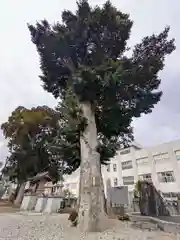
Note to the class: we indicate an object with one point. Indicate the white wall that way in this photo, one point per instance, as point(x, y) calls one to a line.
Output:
point(152, 167)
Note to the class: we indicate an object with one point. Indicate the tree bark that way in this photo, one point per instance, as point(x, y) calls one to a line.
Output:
point(103, 193)
point(80, 183)
point(91, 215)
point(20, 194)
point(17, 190)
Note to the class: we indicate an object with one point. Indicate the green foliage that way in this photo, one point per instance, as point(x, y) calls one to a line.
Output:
point(138, 186)
point(137, 189)
point(67, 139)
point(29, 132)
point(71, 125)
point(84, 60)
point(125, 217)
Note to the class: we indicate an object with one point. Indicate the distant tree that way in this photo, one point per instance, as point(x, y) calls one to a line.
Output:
point(84, 63)
point(28, 132)
point(1, 164)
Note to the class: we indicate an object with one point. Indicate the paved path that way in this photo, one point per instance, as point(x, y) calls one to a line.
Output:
point(175, 219)
point(56, 227)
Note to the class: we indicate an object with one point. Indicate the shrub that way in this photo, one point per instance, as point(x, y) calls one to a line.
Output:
point(124, 218)
point(73, 217)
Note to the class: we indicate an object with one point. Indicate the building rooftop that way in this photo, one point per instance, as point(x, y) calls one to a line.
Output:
point(40, 176)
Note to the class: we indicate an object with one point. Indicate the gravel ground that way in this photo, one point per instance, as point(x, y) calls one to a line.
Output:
point(56, 227)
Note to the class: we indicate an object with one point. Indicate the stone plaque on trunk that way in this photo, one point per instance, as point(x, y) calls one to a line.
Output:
point(96, 181)
point(86, 183)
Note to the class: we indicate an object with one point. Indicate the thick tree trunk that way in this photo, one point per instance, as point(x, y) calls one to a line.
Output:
point(20, 194)
point(91, 203)
point(103, 193)
point(80, 184)
point(17, 190)
point(80, 190)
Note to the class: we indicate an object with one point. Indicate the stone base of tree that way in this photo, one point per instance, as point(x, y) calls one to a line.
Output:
point(100, 225)
point(92, 217)
point(29, 203)
point(41, 204)
point(53, 204)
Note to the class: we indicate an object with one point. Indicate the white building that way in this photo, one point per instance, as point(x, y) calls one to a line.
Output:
point(160, 164)
point(71, 182)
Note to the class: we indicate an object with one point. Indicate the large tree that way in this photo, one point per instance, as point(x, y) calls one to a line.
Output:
point(29, 132)
point(84, 63)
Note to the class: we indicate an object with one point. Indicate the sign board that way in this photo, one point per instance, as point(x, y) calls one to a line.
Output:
point(118, 195)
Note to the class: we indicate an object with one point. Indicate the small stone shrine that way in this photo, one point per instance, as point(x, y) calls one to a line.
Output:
point(43, 195)
point(36, 189)
point(39, 181)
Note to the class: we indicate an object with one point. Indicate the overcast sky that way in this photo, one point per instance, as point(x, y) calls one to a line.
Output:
point(19, 64)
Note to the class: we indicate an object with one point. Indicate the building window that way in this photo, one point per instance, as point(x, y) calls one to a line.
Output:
point(142, 161)
point(166, 176)
point(114, 167)
point(177, 153)
point(126, 151)
point(161, 157)
point(145, 177)
point(126, 165)
point(166, 195)
point(115, 182)
point(171, 195)
point(108, 168)
point(128, 180)
point(108, 182)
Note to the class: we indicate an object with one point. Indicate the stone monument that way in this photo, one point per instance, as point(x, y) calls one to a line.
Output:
point(150, 201)
point(117, 199)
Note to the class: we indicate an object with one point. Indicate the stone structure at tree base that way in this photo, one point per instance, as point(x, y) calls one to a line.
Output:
point(41, 203)
point(150, 201)
point(36, 189)
point(43, 195)
point(29, 202)
point(53, 204)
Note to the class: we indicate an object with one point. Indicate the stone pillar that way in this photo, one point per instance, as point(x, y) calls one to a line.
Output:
point(121, 210)
point(5, 196)
point(29, 202)
point(41, 204)
point(53, 204)
point(178, 206)
point(108, 201)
